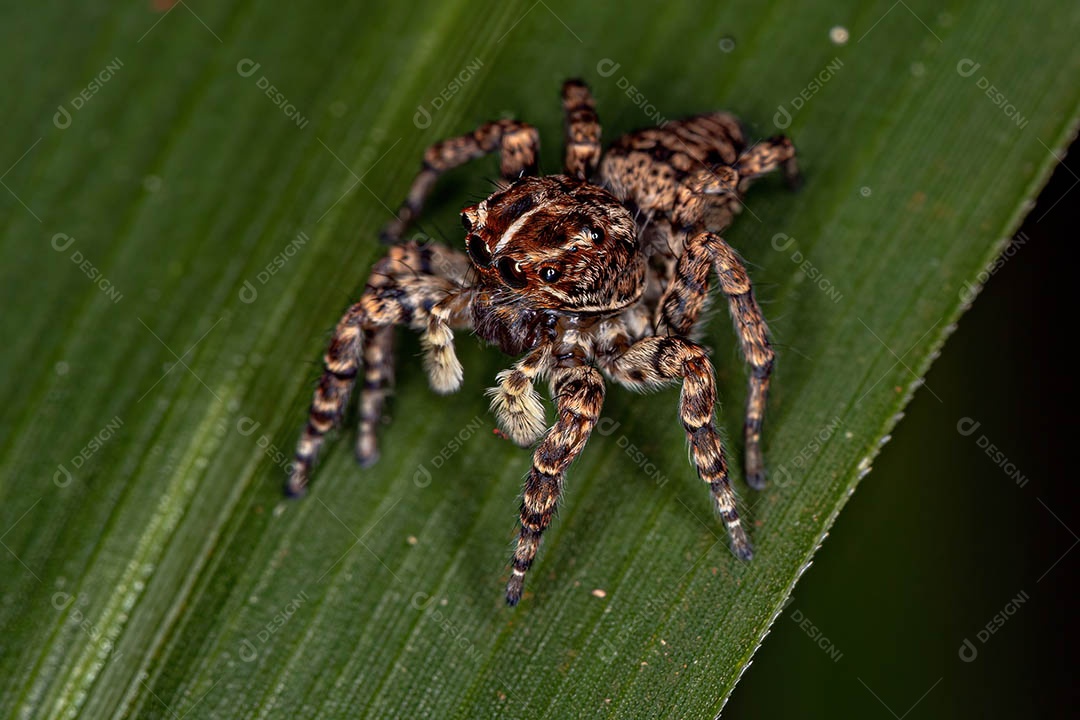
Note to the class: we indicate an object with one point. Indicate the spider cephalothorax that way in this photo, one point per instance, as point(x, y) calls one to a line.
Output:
point(601, 271)
point(546, 247)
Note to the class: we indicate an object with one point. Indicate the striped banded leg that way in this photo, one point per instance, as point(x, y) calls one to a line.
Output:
point(340, 366)
point(387, 301)
point(697, 199)
point(655, 361)
point(515, 402)
point(767, 155)
point(581, 130)
point(680, 309)
point(579, 396)
point(404, 264)
point(518, 144)
point(378, 351)
point(411, 259)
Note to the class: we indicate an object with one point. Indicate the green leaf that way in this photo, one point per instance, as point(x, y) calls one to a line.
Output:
point(191, 197)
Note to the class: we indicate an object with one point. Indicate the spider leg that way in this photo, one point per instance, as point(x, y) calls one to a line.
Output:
point(332, 394)
point(395, 295)
point(518, 144)
point(515, 402)
point(406, 260)
point(378, 354)
point(767, 155)
point(411, 259)
point(656, 361)
point(581, 130)
point(579, 395)
point(682, 303)
point(710, 193)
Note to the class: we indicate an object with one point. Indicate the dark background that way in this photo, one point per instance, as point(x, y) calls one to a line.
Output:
point(938, 539)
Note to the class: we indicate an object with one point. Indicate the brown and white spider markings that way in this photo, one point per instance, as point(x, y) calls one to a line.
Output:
point(603, 270)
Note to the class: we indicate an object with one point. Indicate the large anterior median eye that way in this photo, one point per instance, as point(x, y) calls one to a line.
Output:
point(511, 273)
point(478, 251)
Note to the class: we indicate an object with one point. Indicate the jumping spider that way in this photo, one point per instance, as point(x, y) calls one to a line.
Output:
point(603, 270)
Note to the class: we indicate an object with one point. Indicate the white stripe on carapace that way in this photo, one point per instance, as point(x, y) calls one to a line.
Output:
point(514, 227)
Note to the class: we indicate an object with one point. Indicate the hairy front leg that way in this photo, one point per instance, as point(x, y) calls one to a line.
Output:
point(414, 259)
point(579, 396)
point(656, 361)
point(518, 144)
point(387, 301)
point(340, 365)
point(402, 263)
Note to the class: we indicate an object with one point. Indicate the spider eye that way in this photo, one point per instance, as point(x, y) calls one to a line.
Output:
point(478, 251)
point(511, 273)
point(466, 222)
point(549, 274)
point(595, 233)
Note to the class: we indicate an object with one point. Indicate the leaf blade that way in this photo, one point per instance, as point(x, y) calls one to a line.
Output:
point(161, 495)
